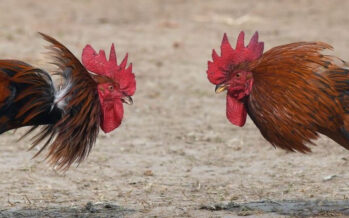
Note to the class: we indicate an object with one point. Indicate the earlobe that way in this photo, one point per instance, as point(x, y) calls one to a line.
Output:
point(249, 86)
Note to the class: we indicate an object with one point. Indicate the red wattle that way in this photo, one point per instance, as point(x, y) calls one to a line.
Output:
point(112, 116)
point(236, 111)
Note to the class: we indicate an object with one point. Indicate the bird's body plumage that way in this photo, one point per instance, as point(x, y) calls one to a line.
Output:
point(297, 93)
point(70, 113)
point(23, 103)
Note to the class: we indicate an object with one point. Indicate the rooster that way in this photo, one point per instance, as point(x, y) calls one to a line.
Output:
point(71, 112)
point(292, 92)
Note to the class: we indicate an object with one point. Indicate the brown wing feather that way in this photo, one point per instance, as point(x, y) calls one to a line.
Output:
point(4, 87)
point(294, 96)
point(26, 97)
point(71, 139)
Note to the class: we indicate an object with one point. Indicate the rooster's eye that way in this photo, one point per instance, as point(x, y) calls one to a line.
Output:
point(237, 75)
point(111, 88)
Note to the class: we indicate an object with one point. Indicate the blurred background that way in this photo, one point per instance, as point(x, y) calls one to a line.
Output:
point(175, 150)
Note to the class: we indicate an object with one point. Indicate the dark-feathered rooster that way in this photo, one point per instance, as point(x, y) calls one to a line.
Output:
point(71, 112)
point(292, 92)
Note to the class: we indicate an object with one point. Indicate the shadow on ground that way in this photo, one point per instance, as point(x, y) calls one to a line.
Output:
point(286, 207)
point(90, 210)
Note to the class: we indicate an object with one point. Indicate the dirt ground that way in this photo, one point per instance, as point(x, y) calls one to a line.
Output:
point(175, 154)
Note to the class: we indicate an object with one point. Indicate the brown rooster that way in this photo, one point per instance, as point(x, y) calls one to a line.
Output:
point(292, 92)
point(71, 112)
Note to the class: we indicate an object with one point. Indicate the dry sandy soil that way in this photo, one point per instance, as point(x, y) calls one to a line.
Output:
point(175, 151)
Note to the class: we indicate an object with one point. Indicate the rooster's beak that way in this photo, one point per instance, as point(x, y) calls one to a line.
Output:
point(220, 88)
point(127, 100)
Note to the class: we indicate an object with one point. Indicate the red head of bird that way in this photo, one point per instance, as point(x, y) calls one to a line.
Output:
point(116, 84)
point(229, 72)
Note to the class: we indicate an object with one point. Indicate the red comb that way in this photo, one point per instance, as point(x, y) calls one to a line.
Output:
point(230, 57)
point(98, 63)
